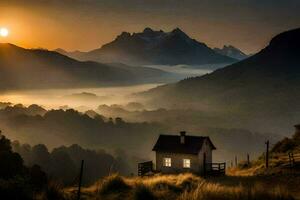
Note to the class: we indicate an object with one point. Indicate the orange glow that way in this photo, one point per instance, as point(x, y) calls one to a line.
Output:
point(4, 32)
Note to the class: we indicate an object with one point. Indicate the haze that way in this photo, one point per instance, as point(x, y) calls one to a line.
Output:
point(88, 24)
point(81, 99)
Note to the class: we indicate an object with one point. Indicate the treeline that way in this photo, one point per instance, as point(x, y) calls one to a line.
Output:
point(63, 163)
point(66, 127)
point(18, 181)
point(35, 125)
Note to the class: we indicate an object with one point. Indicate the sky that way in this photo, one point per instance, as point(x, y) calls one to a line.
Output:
point(88, 24)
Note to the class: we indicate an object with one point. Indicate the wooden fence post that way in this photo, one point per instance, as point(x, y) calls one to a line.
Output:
point(248, 159)
point(80, 180)
point(291, 159)
point(267, 154)
point(236, 161)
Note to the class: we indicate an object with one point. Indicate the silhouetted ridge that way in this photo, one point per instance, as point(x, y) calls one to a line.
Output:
point(286, 40)
point(262, 89)
point(155, 47)
point(26, 69)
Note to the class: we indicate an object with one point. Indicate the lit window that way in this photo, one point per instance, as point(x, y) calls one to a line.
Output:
point(167, 162)
point(186, 163)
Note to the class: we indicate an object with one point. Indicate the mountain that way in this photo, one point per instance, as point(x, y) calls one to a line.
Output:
point(155, 48)
point(34, 68)
point(259, 92)
point(78, 55)
point(231, 51)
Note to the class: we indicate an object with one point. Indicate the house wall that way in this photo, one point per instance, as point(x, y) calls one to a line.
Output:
point(206, 148)
point(177, 160)
point(177, 163)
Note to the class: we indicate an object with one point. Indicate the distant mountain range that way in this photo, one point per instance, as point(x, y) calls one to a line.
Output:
point(153, 48)
point(262, 90)
point(231, 51)
point(33, 68)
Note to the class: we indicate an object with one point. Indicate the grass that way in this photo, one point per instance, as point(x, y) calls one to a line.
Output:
point(113, 184)
point(183, 187)
point(53, 191)
point(219, 192)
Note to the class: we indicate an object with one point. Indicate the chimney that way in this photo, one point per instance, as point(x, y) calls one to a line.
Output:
point(182, 137)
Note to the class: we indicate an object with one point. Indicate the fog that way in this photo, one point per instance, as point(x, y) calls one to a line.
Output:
point(81, 98)
point(137, 121)
point(183, 71)
point(84, 99)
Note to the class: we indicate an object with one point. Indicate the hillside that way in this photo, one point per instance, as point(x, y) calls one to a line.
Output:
point(183, 187)
point(155, 48)
point(33, 68)
point(261, 90)
point(287, 145)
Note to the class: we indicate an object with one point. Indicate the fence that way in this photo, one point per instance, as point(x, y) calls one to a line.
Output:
point(215, 169)
point(144, 168)
point(290, 159)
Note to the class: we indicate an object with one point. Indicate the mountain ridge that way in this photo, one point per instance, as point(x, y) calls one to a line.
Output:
point(22, 68)
point(261, 90)
point(152, 47)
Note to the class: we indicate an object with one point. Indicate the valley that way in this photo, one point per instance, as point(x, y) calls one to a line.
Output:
point(149, 100)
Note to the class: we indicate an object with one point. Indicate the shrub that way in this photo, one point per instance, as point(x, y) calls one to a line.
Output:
point(284, 146)
point(113, 184)
point(188, 181)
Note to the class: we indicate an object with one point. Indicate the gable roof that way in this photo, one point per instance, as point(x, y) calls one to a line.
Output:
point(171, 144)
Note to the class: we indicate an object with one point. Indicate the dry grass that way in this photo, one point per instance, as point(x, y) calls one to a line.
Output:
point(219, 192)
point(182, 187)
point(251, 171)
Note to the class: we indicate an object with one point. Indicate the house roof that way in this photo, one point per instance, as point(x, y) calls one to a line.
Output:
point(171, 144)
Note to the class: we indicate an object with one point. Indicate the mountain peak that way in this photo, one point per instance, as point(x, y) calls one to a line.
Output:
point(148, 30)
point(157, 47)
point(178, 31)
point(231, 51)
point(123, 35)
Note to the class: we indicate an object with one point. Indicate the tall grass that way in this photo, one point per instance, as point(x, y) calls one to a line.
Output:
point(217, 192)
point(53, 191)
point(183, 187)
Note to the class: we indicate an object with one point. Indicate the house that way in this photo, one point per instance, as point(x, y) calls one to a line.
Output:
point(182, 153)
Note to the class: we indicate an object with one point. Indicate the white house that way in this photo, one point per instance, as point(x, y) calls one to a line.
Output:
point(182, 153)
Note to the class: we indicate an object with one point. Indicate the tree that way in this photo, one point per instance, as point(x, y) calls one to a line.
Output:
point(11, 163)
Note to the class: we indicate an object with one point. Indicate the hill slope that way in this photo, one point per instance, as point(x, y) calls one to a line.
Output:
point(155, 47)
point(26, 68)
point(261, 88)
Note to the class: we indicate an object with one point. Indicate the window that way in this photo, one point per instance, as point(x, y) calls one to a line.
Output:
point(186, 163)
point(167, 162)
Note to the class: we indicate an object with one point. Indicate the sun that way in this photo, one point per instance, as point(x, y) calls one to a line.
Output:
point(4, 32)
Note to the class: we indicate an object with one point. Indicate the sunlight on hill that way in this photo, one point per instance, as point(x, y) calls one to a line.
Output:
point(54, 98)
point(180, 187)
